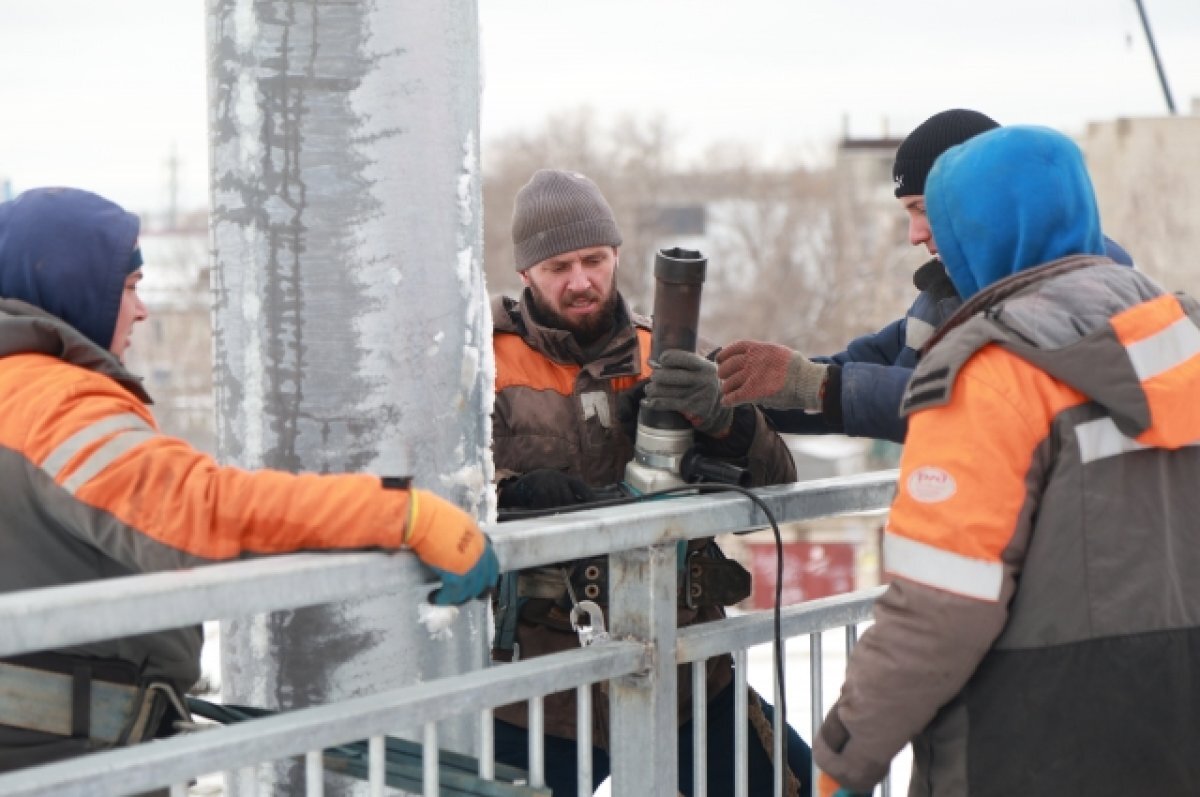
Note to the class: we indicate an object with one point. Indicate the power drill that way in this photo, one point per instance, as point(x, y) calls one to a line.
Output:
point(663, 456)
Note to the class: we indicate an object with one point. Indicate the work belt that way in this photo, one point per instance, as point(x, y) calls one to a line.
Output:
point(704, 580)
point(102, 700)
point(550, 596)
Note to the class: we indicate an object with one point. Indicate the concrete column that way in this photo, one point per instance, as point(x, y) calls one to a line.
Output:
point(351, 328)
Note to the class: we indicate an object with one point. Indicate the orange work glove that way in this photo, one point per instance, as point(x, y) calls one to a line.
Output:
point(449, 541)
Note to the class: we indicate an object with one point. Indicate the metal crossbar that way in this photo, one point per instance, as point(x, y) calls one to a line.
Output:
point(638, 537)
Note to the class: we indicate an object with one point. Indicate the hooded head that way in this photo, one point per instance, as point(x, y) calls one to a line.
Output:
point(68, 252)
point(1010, 199)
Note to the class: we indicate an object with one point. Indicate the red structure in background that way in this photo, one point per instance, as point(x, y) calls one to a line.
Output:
point(810, 570)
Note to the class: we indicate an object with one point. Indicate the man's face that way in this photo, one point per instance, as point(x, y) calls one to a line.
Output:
point(918, 223)
point(576, 291)
point(132, 310)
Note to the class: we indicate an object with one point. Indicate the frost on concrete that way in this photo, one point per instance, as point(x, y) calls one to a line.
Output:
point(352, 328)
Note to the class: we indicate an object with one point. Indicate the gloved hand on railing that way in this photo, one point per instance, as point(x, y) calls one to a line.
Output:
point(752, 372)
point(544, 488)
point(687, 383)
point(449, 542)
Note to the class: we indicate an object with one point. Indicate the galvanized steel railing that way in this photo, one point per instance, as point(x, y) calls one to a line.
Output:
point(641, 541)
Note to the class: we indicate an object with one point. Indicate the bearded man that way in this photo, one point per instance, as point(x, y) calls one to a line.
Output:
point(571, 360)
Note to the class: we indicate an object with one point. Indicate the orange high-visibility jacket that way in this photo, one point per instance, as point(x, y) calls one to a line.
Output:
point(90, 489)
point(1041, 634)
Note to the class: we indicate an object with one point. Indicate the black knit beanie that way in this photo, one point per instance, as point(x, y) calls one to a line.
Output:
point(931, 138)
point(558, 212)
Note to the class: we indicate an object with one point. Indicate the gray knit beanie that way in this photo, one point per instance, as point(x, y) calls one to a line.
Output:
point(558, 212)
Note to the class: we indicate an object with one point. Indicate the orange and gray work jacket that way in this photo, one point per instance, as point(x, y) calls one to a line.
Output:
point(557, 408)
point(1041, 634)
point(90, 489)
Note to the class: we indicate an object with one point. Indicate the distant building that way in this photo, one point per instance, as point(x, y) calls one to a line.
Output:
point(1147, 177)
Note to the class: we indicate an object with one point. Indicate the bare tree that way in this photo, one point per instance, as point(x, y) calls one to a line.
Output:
point(631, 161)
point(809, 257)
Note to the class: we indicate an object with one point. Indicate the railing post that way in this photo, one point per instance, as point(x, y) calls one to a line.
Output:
point(645, 746)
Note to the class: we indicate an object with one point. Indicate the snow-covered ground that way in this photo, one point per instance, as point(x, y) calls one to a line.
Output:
point(759, 674)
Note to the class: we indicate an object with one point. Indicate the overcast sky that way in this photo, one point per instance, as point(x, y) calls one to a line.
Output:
point(97, 94)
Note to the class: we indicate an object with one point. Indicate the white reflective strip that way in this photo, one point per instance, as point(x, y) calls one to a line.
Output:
point(1164, 350)
point(917, 332)
point(934, 567)
point(103, 456)
point(68, 448)
point(1101, 438)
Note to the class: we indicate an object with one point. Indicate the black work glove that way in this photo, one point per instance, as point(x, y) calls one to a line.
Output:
point(735, 443)
point(544, 488)
point(629, 401)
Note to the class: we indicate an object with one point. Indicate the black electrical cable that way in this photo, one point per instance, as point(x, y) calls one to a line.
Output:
point(708, 487)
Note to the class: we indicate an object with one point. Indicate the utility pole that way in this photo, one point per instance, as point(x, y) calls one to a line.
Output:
point(351, 326)
point(1162, 76)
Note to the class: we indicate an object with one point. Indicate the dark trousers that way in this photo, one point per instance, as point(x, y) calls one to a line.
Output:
point(512, 747)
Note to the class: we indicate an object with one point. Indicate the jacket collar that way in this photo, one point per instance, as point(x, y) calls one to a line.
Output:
point(25, 329)
point(1009, 286)
point(620, 355)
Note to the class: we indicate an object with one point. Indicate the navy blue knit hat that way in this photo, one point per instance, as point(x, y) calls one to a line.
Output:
point(929, 139)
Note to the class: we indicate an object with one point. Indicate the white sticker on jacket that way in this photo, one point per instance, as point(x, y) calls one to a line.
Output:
point(595, 405)
point(930, 485)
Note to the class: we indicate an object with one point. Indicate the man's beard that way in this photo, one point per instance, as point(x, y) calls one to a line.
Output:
point(586, 331)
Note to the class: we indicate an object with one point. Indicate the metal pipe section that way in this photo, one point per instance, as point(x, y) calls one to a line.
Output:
point(679, 280)
point(487, 745)
point(699, 729)
point(698, 642)
point(148, 766)
point(537, 745)
point(429, 759)
point(346, 230)
point(741, 705)
point(314, 774)
point(816, 680)
point(583, 736)
point(664, 437)
point(57, 617)
point(377, 753)
point(645, 732)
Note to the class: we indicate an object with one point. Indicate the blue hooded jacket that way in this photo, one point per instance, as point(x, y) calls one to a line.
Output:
point(68, 252)
point(1007, 200)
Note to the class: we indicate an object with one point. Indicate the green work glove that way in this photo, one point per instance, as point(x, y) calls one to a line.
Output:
point(770, 375)
point(687, 383)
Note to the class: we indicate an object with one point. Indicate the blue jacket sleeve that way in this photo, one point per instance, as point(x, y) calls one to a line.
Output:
point(880, 348)
point(871, 396)
point(870, 404)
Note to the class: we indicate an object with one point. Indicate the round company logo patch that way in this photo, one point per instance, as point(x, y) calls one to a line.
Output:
point(930, 485)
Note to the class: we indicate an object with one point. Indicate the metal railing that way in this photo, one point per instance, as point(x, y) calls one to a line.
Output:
point(640, 539)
